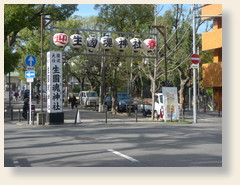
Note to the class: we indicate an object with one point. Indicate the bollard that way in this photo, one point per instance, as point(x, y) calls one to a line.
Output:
point(19, 115)
point(136, 113)
point(28, 117)
point(11, 114)
point(105, 113)
point(129, 109)
point(33, 113)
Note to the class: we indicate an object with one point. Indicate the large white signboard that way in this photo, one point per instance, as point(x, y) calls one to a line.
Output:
point(54, 81)
point(170, 101)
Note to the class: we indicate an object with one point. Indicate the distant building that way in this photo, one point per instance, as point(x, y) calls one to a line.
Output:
point(15, 82)
point(212, 41)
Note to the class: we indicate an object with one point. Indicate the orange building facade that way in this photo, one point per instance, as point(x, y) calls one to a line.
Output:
point(212, 41)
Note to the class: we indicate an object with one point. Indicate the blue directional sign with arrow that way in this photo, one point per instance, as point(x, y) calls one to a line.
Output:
point(31, 60)
point(29, 74)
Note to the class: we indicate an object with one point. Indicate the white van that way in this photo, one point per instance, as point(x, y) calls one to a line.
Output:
point(158, 104)
point(147, 109)
point(88, 98)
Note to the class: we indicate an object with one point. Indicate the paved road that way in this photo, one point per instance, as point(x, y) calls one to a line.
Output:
point(120, 143)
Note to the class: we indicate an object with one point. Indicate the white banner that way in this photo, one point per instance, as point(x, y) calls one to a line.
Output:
point(170, 102)
point(54, 81)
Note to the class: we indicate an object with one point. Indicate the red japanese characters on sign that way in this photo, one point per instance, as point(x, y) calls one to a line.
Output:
point(60, 39)
point(149, 45)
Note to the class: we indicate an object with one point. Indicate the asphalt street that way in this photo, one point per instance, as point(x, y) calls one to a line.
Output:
point(121, 142)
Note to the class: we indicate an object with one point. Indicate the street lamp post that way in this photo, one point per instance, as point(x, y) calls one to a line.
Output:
point(164, 34)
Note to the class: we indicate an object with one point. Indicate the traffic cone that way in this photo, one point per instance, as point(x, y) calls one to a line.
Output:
point(78, 118)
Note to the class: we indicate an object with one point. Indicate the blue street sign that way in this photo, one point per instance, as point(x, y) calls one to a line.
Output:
point(29, 74)
point(31, 60)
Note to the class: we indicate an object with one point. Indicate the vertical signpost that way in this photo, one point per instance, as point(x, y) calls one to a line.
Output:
point(31, 61)
point(194, 69)
point(195, 59)
point(55, 114)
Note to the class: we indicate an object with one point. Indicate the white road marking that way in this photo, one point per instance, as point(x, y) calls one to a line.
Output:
point(16, 163)
point(122, 155)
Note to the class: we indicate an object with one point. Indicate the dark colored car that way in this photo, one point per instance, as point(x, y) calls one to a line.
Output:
point(123, 101)
point(108, 101)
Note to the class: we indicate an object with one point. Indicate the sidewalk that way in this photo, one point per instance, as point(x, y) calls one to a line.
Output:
point(92, 117)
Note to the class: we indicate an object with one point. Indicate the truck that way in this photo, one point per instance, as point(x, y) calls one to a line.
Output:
point(146, 109)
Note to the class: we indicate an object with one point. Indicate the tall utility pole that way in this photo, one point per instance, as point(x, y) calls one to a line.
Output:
point(194, 69)
point(41, 97)
point(10, 108)
point(102, 86)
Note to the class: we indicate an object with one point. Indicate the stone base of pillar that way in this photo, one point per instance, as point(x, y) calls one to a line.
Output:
point(55, 118)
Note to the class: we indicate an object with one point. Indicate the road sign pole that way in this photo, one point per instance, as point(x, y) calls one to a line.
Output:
point(194, 70)
point(30, 104)
point(194, 97)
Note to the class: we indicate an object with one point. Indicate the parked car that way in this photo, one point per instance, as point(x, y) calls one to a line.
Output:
point(122, 103)
point(108, 101)
point(88, 98)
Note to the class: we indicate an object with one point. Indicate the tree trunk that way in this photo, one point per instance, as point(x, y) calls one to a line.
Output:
point(183, 81)
point(181, 96)
point(114, 92)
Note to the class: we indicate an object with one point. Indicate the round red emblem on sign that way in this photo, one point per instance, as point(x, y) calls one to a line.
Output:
point(195, 58)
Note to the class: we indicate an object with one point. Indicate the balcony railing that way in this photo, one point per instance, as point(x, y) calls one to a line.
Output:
point(212, 40)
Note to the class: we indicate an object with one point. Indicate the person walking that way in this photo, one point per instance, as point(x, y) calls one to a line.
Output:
point(72, 100)
point(37, 98)
point(16, 94)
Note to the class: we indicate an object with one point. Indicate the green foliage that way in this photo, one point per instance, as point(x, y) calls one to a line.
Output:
point(11, 59)
point(209, 92)
point(126, 17)
point(21, 25)
point(76, 90)
point(20, 16)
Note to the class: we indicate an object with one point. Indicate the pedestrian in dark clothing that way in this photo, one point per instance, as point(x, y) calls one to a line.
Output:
point(16, 94)
point(72, 99)
point(37, 98)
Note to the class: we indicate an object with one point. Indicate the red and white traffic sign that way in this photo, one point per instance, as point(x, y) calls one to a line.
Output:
point(195, 58)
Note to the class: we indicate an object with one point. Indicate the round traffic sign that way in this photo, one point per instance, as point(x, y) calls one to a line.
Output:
point(195, 58)
point(31, 60)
